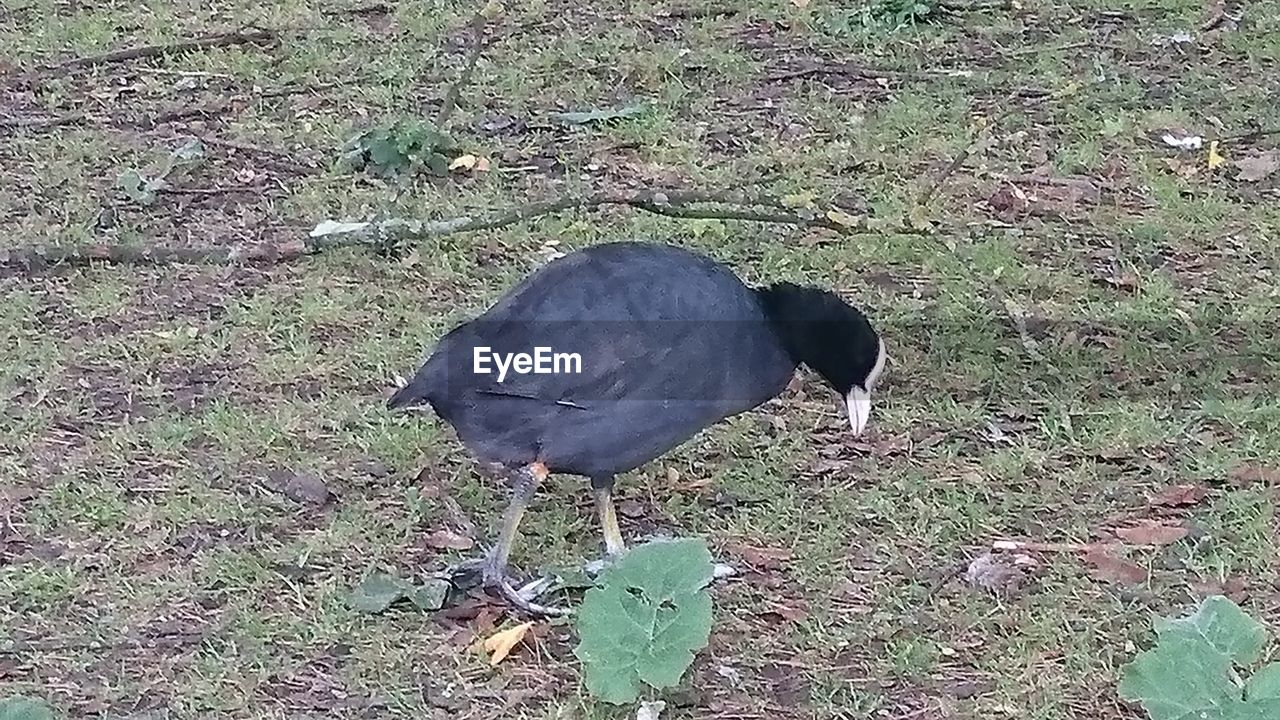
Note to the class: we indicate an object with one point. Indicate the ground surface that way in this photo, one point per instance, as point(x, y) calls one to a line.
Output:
point(196, 465)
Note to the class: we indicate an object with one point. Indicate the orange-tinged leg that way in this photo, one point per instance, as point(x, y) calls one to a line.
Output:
point(495, 566)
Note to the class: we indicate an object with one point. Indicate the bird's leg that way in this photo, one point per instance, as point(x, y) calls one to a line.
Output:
point(614, 547)
point(613, 544)
point(495, 565)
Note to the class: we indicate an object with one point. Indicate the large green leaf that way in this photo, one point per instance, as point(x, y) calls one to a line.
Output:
point(22, 708)
point(1222, 626)
point(1189, 674)
point(1180, 679)
point(646, 619)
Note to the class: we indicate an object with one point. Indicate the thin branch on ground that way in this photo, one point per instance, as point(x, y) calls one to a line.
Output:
point(731, 204)
point(247, 35)
point(478, 44)
point(41, 123)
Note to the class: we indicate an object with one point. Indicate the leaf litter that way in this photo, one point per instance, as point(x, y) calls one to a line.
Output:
point(500, 644)
point(1184, 495)
point(1152, 532)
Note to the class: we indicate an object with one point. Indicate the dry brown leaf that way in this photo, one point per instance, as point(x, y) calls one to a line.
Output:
point(448, 540)
point(500, 644)
point(1257, 166)
point(1105, 566)
point(1233, 587)
point(1246, 474)
point(792, 611)
point(764, 558)
point(1152, 532)
point(1180, 495)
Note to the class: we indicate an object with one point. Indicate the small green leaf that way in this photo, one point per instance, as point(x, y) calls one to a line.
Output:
point(585, 117)
point(377, 592)
point(400, 147)
point(138, 187)
point(1221, 625)
point(430, 596)
point(645, 620)
point(22, 708)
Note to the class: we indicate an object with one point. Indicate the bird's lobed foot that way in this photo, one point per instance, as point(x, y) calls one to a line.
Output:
point(484, 571)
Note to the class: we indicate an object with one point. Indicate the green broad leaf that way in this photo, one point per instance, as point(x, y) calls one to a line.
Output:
point(586, 117)
point(377, 592)
point(643, 622)
point(1180, 679)
point(23, 708)
point(1191, 672)
point(1221, 625)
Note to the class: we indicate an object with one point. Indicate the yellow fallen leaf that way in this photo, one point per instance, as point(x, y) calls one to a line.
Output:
point(499, 644)
point(842, 218)
point(1215, 159)
point(798, 200)
point(463, 162)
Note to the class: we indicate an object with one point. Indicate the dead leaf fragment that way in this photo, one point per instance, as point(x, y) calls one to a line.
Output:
point(651, 710)
point(1108, 567)
point(448, 540)
point(1180, 495)
point(1215, 159)
point(1257, 166)
point(500, 644)
point(800, 3)
point(1179, 139)
point(470, 162)
point(1152, 532)
point(764, 558)
point(1246, 474)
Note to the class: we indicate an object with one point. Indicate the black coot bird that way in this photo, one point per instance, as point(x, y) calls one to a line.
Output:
point(609, 357)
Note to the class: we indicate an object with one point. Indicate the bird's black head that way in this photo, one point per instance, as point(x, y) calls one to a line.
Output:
point(833, 338)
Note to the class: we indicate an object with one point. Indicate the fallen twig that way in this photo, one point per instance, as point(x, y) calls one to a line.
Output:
point(1020, 546)
point(733, 204)
point(41, 123)
point(478, 45)
point(236, 37)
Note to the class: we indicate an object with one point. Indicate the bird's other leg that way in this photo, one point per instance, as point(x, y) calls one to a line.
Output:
point(527, 480)
point(602, 488)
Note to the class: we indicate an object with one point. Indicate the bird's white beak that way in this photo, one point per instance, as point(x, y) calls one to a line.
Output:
point(858, 401)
